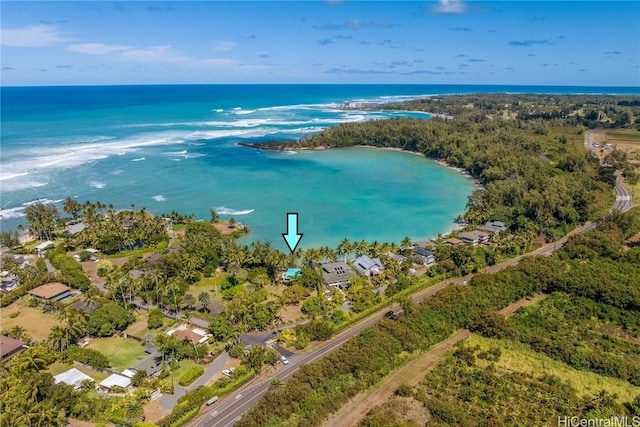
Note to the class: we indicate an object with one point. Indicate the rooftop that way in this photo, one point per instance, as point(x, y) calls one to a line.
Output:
point(49, 291)
point(336, 272)
point(72, 377)
point(116, 379)
point(9, 346)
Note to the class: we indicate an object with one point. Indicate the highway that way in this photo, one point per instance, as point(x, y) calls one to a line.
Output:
point(228, 410)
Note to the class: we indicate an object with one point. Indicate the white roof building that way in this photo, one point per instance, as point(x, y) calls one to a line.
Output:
point(72, 377)
point(115, 379)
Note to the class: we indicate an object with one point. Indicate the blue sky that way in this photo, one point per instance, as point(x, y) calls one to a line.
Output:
point(440, 42)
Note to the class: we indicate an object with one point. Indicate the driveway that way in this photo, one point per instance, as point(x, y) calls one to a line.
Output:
point(168, 401)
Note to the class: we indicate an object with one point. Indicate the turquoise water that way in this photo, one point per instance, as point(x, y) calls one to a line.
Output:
point(175, 147)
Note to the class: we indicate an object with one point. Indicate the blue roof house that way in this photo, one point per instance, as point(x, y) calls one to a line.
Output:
point(367, 266)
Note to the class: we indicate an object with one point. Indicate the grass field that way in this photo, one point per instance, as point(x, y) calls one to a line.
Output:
point(185, 365)
point(625, 134)
point(517, 357)
point(33, 320)
point(121, 352)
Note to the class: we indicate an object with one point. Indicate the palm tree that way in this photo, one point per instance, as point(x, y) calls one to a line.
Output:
point(204, 298)
point(59, 338)
point(276, 386)
point(188, 301)
point(134, 411)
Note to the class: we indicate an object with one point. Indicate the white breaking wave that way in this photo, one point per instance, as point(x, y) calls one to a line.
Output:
point(117, 172)
point(97, 184)
point(159, 198)
point(5, 176)
point(17, 212)
point(227, 211)
point(245, 111)
point(218, 110)
point(138, 159)
point(44, 201)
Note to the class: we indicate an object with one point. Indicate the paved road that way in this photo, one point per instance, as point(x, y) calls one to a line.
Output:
point(623, 197)
point(228, 410)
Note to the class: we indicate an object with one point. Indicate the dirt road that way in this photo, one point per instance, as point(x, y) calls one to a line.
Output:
point(411, 373)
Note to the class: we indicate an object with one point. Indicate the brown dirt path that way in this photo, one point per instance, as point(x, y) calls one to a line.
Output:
point(411, 373)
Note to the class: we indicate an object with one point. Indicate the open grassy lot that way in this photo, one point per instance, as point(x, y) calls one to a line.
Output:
point(36, 323)
point(139, 327)
point(517, 357)
point(121, 352)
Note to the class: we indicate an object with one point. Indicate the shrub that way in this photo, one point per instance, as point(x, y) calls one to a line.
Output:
point(88, 356)
point(155, 318)
point(191, 375)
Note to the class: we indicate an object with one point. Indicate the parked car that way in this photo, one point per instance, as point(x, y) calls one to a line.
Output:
point(389, 314)
point(226, 372)
point(284, 360)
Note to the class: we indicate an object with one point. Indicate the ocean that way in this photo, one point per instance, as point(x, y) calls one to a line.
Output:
point(176, 148)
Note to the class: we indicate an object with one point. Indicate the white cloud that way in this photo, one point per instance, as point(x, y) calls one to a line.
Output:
point(32, 36)
point(224, 46)
point(449, 6)
point(98, 48)
point(153, 54)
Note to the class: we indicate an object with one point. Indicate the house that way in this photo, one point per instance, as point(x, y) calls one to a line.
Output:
point(75, 227)
point(474, 237)
point(72, 377)
point(52, 292)
point(115, 380)
point(195, 336)
point(367, 266)
point(424, 244)
point(469, 238)
point(153, 257)
point(290, 274)
point(42, 247)
point(9, 283)
point(9, 347)
point(336, 273)
point(493, 227)
point(87, 308)
point(424, 256)
point(453, 241)
point(396, 257)
point(152, 364)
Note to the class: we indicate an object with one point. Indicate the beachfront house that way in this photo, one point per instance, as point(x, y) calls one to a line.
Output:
point(396, 257)
point(337, 274)
point(453, 241)
point(474, 237)
point(424, 256)
point(73, 377)
point(493, 227)
point(51, 292)
point(9, 347)
point(368, 267)
point(74, 227)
